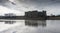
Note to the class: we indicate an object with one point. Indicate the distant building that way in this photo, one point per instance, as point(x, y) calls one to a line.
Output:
point(35, 14)
point(10, 14)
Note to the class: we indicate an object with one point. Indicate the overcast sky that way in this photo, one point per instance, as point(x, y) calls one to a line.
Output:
point(20, 6)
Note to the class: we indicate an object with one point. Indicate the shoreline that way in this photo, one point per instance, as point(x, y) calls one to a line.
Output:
point(27, 18)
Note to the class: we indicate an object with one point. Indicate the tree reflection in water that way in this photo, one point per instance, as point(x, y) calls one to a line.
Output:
point(9, 22)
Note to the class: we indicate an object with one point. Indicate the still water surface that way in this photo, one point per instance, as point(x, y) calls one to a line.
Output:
point(29, 26)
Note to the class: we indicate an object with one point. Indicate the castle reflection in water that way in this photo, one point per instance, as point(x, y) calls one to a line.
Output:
point(35, 23)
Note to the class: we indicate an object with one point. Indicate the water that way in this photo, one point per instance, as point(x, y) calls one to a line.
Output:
point(29, 26)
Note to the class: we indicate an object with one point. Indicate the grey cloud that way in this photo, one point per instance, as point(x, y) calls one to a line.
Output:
point(7, 3)
point(1, 1)
point(40, 2)
point(24, 5)
point(31, 3)
point(49, 5)
point(56, 0)
point(36, 3)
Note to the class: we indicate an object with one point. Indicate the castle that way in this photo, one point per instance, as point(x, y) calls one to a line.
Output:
point(35, 14)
